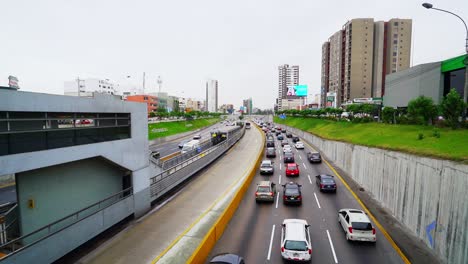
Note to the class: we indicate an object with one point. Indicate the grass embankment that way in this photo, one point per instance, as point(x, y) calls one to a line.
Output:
point(165, 129)
point(452, 144)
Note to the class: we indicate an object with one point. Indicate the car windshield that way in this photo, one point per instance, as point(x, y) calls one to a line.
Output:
point(263, 189)
point(292, 167)
point(291, 191)
point(366, 226)
point(295, 245)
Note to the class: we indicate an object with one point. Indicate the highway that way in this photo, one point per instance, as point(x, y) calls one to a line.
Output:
point(255, 230)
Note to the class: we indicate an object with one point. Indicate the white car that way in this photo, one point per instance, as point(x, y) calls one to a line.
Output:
point(356, 225)
point(299, 145)
point(295, 240)
point(197, 136)
point(287, 148)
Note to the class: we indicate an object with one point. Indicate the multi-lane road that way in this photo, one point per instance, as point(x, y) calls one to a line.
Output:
point(255, 230)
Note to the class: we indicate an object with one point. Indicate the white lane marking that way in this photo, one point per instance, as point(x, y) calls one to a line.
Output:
point(271, 242)
point(304, 165)
point(277, 198)
point(279, 180)
point(316, 199)
point(308, 176)
point(300, 157)
point(280, 166)
point(281, 157)
point(331, 245)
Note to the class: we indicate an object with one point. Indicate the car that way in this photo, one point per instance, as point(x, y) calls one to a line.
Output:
point(270, 144)
point(266, 191)
point(288, 135)
point(299, 145)
point(278, 132)
point(295, 139)
point(295, 240)
point(287, 148)
point(284, 142)
point(197, 136)
point(280, 137)
point(356, 225)
point(271, 152)
point(292, 169)
point(326, 182)
point(182, 143)
point(227, 258)
point(288, 157)
point(292, 193)
point(266, 167)
point(314, 157)
point(283, 130)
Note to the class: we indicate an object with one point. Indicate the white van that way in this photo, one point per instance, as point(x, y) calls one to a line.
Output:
point(295, 240)
point(189, 146)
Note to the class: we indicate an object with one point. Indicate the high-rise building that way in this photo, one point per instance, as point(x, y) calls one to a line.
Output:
point(360, 55)
point(211, 96)
point(86, 87)
point(247, 103)
point(287, 76)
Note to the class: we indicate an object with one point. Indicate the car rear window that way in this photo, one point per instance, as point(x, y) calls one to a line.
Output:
point(263, 189)
point(327, 181)
point(291, 191)
point(361, 226)
point(292, 167)
point(295, 245)
point(288, 154)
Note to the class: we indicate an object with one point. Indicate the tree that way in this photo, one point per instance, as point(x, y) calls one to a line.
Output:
point(452, 107)
point(241, 117)
point(422, 110)
point(152, 114)
point(388, 114)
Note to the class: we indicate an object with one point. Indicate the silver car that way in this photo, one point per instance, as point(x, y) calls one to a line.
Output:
point(267, 167)
point(266, 191)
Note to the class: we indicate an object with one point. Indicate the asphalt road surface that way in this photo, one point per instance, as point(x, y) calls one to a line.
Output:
point(255, 230)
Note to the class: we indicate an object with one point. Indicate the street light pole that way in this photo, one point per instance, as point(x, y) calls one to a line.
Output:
point(465, 90)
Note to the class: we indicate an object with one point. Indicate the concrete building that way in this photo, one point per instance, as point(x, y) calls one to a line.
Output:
point(212, 96)
point(287, 76)
point(325, 72)
point(68, 153)
point(150, 101)
point(432, 80)
point(361, 54)
point(247, 103)
point(86, 87)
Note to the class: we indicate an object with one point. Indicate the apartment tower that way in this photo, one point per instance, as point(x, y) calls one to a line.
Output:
point(361, 54)
point(287, 76)
point(325, 72)
point(211, 102)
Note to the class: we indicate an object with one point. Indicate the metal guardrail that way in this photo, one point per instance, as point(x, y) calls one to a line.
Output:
point(42, 233)
point(9, 224)
point(168, 179)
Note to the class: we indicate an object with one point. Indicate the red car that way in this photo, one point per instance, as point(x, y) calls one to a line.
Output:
point(292, 169)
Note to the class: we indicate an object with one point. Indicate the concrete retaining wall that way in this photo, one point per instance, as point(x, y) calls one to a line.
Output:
point(428, 196)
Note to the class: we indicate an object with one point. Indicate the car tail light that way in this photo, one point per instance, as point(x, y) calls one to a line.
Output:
point(310, 251)
point(321, 185)
point(350, 230)
point(299, 197)
point(282, 249)
point(373, 231)
point(285, 197)
point(256, 193)
point(271, 193)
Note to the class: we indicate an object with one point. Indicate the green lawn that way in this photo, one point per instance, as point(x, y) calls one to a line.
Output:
point(452, 144)
point(165, 129)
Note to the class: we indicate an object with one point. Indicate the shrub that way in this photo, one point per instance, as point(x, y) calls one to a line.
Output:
point(420, 136)
point(387, 114)
point(452, 107)
point(403, 120)
point(436, 133)
point(422, 110)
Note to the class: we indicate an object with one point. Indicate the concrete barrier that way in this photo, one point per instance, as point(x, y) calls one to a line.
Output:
point(216, 231)
point(428, 196)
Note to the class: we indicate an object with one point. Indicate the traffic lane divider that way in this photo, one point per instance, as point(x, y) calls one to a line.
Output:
point(216, 231)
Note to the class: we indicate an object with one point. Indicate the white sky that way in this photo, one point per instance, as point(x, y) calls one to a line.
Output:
point(238, 42)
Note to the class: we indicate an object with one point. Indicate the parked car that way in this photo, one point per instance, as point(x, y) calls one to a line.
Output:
point(288, 135)
point(325, 182)
point(266, 167)
point(284, 142)
point(280, 137)
point(288, 157)
point(292, 193)
point(299, 145)
point(292, 169)
point(227, 258)
point(356, 225)
point(314, 157)
point(295, 139)
point(266, 191)
point(271, 152)
point(287, 148)
point(295, 240)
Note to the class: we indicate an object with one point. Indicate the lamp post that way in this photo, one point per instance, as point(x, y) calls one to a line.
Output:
point(465, 90)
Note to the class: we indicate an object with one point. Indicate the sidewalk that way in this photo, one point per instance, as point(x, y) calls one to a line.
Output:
point(158, 231)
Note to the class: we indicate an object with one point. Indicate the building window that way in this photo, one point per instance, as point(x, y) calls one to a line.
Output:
point(395, 41)
point(394, 59)
point(395, 35)
point(395, 23)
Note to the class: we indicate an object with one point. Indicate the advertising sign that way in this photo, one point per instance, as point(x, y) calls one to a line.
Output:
point(297, 90)
point(13, 82)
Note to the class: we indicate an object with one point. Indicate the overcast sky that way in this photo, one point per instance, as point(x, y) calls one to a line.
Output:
point(238, 42)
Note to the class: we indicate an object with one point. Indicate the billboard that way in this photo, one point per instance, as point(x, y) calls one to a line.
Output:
point(297, 90)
